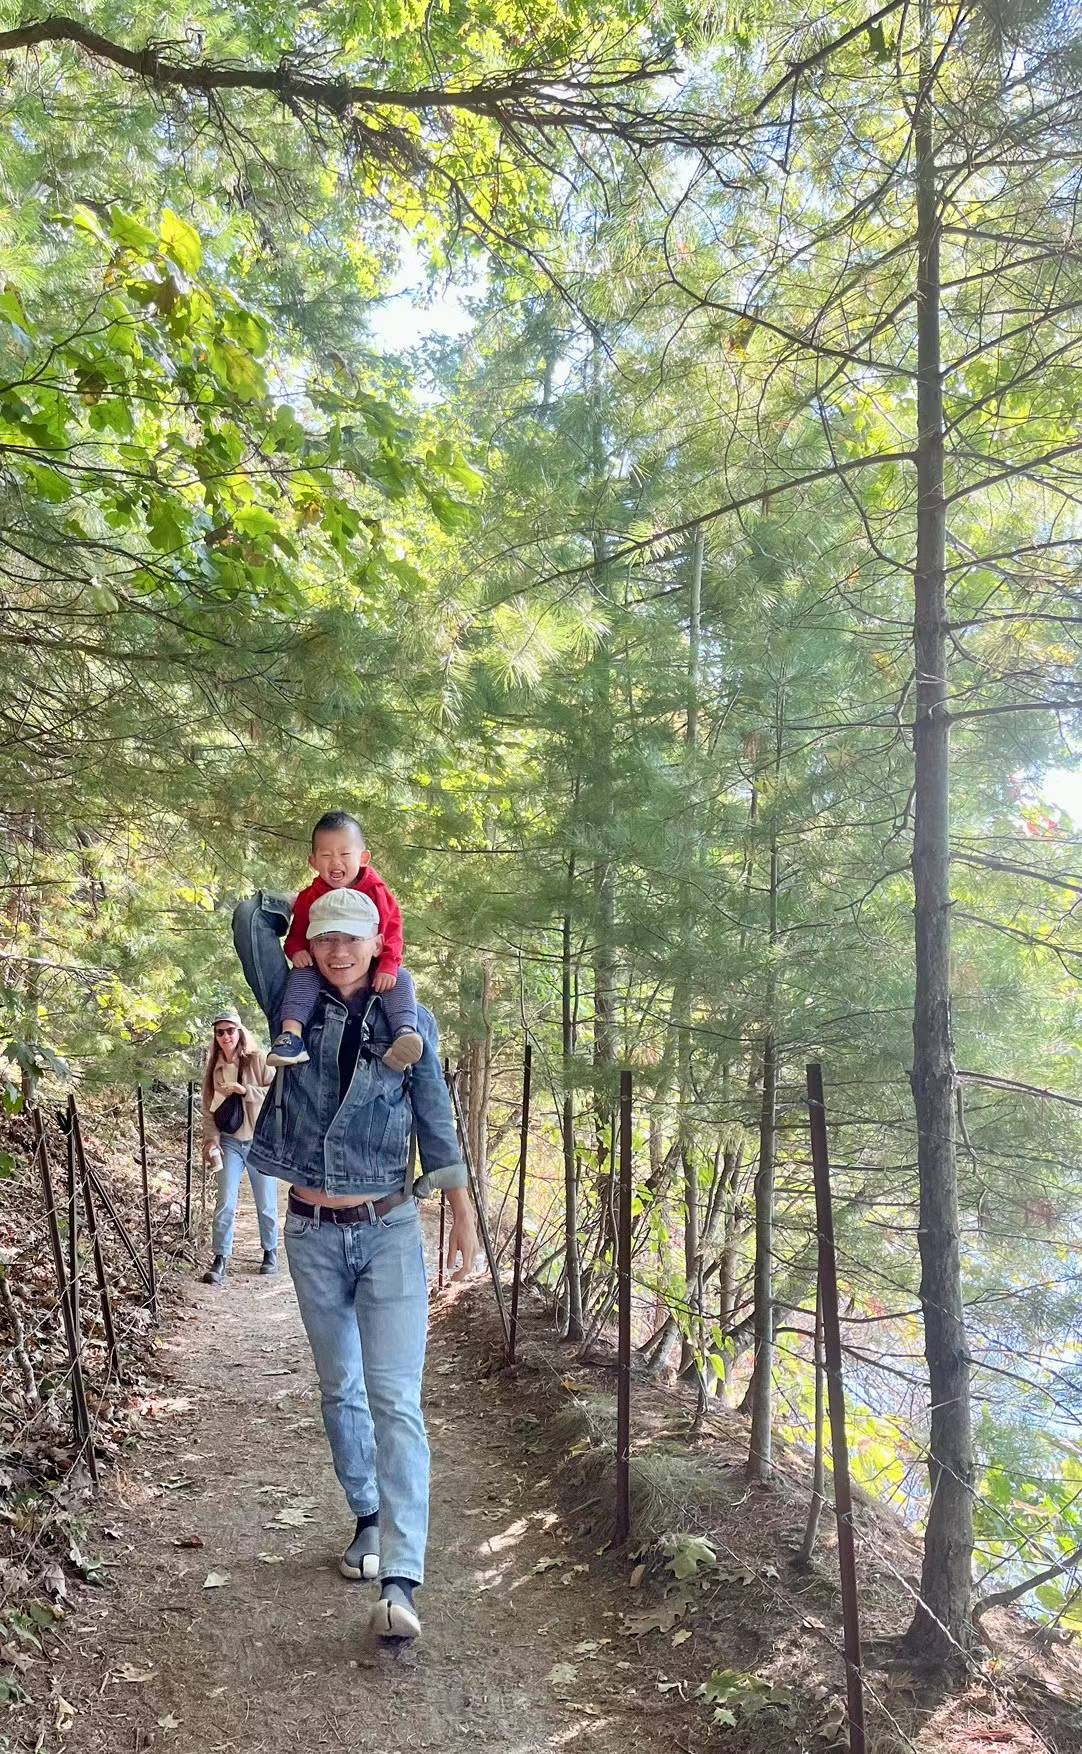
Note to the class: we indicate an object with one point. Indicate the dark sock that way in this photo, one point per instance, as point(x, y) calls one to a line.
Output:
point(367, 1522)
point(405, 1584)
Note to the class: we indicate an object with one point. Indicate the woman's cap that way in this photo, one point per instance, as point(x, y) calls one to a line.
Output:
point(346, 911)
point(227, 1014)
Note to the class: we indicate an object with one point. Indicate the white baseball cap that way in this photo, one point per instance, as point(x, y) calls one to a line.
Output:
point(346, 911)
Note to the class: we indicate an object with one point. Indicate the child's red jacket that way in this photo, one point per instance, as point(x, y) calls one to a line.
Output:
point(369, 883)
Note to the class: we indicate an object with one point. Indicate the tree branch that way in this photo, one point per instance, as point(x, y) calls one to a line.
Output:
point(1003, 1598)
point(586, 97)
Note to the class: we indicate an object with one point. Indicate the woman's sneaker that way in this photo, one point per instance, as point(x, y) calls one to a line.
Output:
point(405, 1050)
point(287, 1049)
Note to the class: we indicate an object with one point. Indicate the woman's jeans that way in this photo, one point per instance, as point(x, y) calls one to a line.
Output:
point(363, 1300)
point(264, 1187)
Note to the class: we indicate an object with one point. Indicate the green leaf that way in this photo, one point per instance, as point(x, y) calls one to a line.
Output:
point(131, 233)
point(85, 219)
point(49, 483)
point(235, 370)
point(180, 241)
point(247, 331)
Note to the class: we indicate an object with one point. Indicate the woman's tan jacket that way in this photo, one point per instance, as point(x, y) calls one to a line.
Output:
point(251, 1072)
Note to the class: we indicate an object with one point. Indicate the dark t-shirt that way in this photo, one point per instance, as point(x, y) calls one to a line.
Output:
point(350, 1045)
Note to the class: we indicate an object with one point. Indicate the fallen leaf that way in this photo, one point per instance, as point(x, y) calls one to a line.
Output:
point(65, 1713)
point(636, 1577)
point(576, 1571)
point(271, 1558)
point(682, 1636)
point(660, 1619)
point(291, 1516)
point(189, 1541)
point(547, 1564)
point(169, 1723)
point(55, 1582)
point(563, 1674)
point(589, 1646)
point(215, 1580)
point(129, 1672)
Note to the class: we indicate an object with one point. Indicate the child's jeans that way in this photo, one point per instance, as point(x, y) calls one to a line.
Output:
point(305, 985)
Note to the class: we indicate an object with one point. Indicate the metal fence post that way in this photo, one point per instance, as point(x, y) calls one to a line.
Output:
point(623, 1276)
point(520, 1214)
point(152, 1281)
point(95, 1240)
point(839, 1445)
point(80, 1412)
point(189, 1136)
point(482, 1216)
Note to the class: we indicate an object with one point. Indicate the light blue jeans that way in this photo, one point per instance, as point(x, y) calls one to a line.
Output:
point(264, 1187)
point(363, 1300)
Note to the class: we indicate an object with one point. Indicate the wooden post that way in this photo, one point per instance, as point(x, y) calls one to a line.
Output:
point(623, 1276)
point(80, 1413)
point(76, 1135)
point(520, 1215)
point(839, 1445)
point(152, 1280)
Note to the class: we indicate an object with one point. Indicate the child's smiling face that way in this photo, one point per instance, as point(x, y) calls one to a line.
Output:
point(339, 855)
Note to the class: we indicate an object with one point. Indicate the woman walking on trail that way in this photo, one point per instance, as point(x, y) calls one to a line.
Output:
point(234, 1084)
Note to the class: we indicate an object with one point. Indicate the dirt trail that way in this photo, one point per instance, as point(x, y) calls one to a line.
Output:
point(274, 1659)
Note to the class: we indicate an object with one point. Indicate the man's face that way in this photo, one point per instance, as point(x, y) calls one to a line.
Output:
point(343, 961)
point(339, 855)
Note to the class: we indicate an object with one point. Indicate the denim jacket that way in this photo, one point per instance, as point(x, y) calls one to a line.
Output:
point(361, 1146)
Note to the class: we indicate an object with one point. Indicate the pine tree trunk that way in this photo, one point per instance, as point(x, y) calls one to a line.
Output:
point(476, 1063)
point(760, 1467)
point(943, 1620)
point(682, 999)
point(803, 1559)
point(572, 1262)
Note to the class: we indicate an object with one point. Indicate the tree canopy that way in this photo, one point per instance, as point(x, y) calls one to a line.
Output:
point(701, 615)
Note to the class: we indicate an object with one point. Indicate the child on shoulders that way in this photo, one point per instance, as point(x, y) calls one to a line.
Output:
point(341, 860)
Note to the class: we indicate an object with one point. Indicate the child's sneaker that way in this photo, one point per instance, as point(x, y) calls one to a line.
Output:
point(287, 1049)
point(405, 1050)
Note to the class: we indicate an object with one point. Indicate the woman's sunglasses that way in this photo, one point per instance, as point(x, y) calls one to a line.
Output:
point(230, 1029)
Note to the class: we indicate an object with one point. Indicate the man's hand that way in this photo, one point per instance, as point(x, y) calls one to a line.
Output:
point(463, 1238)
point(382, 983)
point(302, 959)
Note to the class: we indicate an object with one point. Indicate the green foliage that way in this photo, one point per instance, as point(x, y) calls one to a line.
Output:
point(252, 568)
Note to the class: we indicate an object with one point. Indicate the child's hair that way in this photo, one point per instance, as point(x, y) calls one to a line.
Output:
point(334, 820)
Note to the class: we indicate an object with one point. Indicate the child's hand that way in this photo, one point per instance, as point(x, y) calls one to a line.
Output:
point(302, 959)
point(382, 983)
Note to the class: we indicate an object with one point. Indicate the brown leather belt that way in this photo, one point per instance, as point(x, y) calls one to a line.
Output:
point(366, 1214)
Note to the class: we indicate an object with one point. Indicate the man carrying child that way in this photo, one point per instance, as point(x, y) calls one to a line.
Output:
point(337, 1126)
